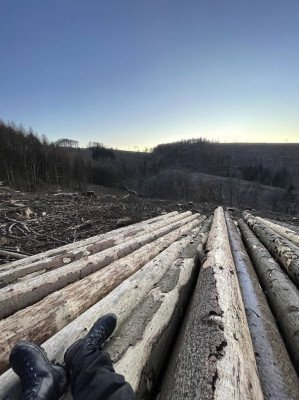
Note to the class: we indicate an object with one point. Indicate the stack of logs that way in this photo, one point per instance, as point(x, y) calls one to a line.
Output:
point(199, 316)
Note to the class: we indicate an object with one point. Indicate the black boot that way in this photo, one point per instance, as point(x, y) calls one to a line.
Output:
point(40, 379)
point(92, 373)
point(92, 342)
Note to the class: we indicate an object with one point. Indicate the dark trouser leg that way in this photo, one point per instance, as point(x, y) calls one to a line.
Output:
point(93, 378)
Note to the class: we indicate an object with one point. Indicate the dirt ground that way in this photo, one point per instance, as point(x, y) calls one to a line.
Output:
point(31, 223)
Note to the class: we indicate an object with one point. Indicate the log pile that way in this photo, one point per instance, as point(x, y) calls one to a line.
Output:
point(275, 369)
point(286, 252)
point(275, 279)
point(214, 356)
point(203, 309)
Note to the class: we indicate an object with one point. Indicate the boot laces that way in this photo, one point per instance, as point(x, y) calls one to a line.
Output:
point(95, 340)
point(93, 343)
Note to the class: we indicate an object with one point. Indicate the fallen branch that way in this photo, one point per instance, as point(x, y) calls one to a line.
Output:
point(11, 254)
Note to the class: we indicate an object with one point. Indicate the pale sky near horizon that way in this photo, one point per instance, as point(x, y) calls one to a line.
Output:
point(135, 73)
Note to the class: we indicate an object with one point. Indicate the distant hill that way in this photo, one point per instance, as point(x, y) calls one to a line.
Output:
point(264, 176)
point(269, 164)
point(243, 175)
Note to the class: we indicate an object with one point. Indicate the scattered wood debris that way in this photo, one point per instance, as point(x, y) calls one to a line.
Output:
point(31, 223)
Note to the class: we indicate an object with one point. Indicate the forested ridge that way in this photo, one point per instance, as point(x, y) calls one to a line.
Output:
point(195, 169)
point(269, 164)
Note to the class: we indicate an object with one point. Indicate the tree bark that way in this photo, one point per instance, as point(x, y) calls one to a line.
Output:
point(19, 295)
point(281, 292)
point(43, 319)
point(122, 301)
point(278, 377)
point(289, 234)
point(282, 249)
point(203, 237)
point(213, 357)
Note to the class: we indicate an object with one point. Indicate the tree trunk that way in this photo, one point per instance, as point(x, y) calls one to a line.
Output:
point(285, 225)
point(286, 233)
point(213, 357)
point(43, 319)
point(19, 295)
point(278, 377)
point(65, 255)
point(283, 250)
point(281, 292)
point(122, 301)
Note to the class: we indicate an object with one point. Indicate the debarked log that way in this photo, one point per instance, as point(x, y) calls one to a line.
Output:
point(121, 301)
point(43, 319)
point(213, 357)
point(142, 345)
point(291, 227)
point(289, 234)
point(282, 294)
point(19, 295)
point(286, 252)
point(69, 253)
point(278, 377)
point(129, 230)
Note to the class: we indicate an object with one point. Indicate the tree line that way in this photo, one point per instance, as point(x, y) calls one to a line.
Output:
point(27, 161)
point(30, 162)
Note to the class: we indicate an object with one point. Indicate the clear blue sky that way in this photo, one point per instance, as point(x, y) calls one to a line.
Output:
point(141, 72)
